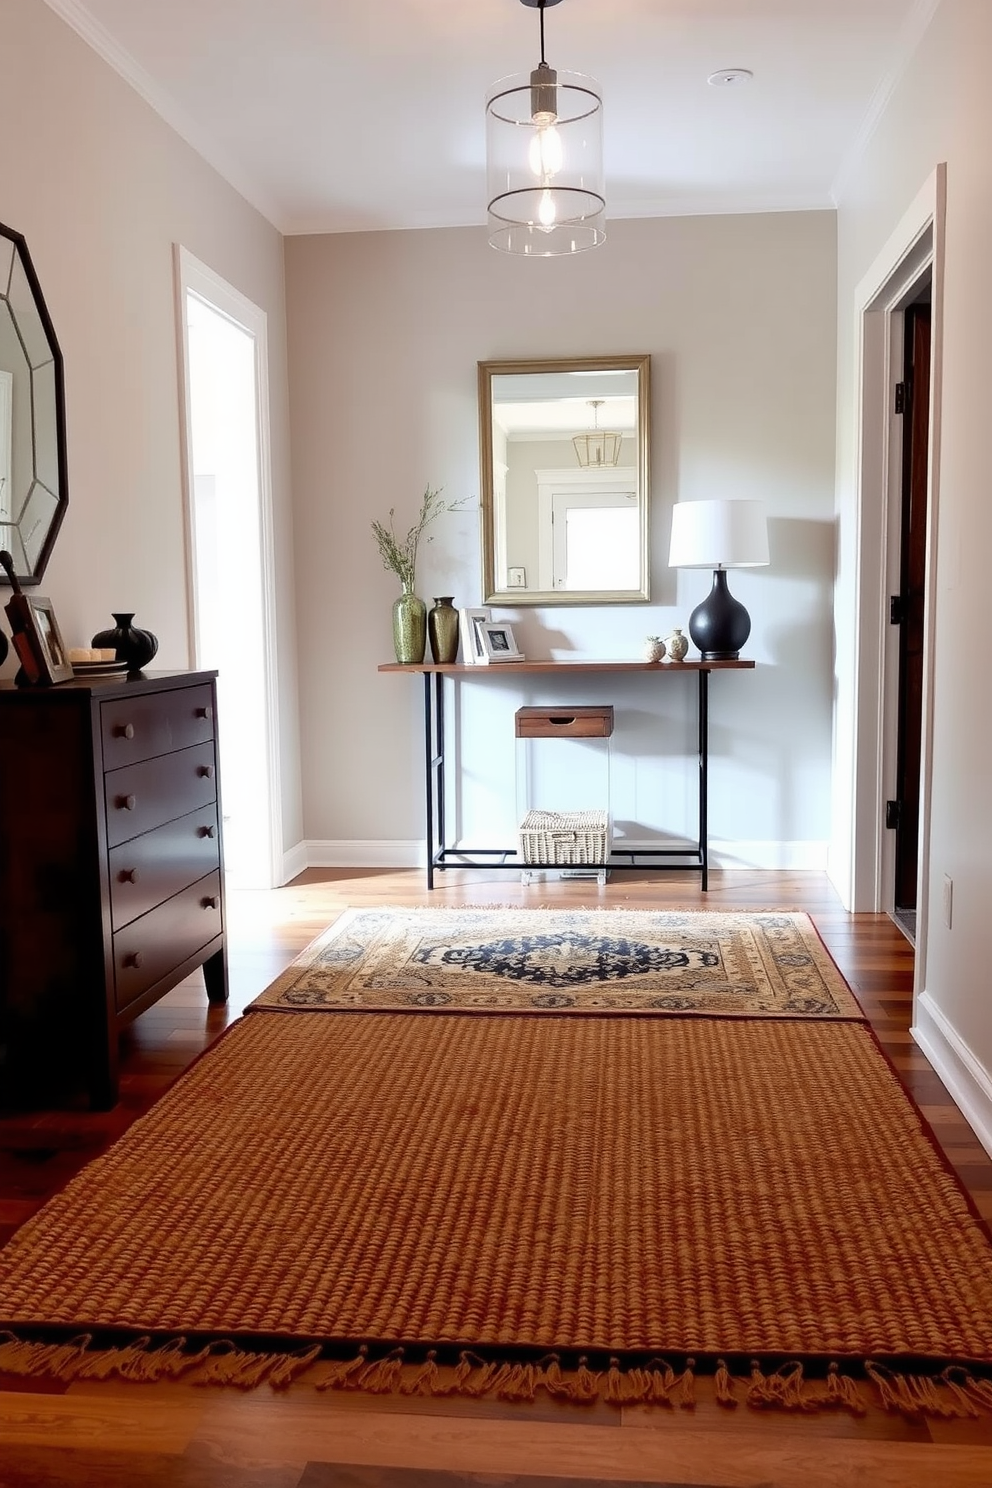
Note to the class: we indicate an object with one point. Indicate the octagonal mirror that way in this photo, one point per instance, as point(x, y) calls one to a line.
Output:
point(33, 492)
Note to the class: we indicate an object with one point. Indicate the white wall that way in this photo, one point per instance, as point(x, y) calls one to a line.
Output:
point(942, 110)
point(102, 189)
point(739, 316)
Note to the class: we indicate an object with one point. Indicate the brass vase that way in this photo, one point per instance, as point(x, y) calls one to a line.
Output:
point(409, 627)
point(442, 628)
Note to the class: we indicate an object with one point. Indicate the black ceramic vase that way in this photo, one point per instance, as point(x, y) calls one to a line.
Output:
point(136, 647)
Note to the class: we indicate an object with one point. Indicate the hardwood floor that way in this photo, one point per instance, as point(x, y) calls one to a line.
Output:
point(175, 1436)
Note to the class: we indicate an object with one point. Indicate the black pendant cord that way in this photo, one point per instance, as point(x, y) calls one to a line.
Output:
point(540, 11)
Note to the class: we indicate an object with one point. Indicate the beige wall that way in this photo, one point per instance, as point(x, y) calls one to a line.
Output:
point(739, 316)
point(942, 111)
point(102, 188)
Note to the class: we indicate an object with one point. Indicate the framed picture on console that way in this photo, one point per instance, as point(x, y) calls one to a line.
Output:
point(497, 642)
point(469, 621)
point(39, 644)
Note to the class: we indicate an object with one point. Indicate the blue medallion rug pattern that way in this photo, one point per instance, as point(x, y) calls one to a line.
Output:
point(764, 964)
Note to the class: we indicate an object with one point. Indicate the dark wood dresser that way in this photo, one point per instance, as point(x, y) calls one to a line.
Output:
point(111, 884)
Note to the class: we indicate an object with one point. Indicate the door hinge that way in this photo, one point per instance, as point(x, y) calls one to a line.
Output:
point(897, 609)
point(901, 397)
point(893, 810)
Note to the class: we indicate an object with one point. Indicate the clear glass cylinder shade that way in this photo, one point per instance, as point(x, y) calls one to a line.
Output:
point(544, 165)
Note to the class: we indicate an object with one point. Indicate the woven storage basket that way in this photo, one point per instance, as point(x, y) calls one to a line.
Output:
point(565, 837)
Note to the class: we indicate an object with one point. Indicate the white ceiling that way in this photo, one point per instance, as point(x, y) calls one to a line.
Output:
point(340, 115)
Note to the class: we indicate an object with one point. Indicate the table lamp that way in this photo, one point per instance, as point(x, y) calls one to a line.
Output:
point(719, 535)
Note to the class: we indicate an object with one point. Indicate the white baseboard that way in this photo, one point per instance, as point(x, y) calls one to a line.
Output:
point(780, 855)
point(966, 1077)
point(294, 862)
point(366, 854)
point(371, 854)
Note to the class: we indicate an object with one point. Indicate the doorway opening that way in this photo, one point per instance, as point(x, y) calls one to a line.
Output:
point(907, 605)
point(229, 557)
point(906, 276)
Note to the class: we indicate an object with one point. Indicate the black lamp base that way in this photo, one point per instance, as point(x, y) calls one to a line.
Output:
point(720, 625)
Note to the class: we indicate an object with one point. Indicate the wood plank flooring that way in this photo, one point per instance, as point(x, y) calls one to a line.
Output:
point(175, 1436)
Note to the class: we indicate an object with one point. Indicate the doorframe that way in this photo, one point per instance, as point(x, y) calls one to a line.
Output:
point(553, 481)
point(193, 275)
point(915, 249)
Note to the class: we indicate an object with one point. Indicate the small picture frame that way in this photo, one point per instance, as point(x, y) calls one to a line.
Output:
point(39, 644)
point(469, 622)
point(497, 642)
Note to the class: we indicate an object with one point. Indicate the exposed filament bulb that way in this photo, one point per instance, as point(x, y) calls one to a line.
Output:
point(545, 154)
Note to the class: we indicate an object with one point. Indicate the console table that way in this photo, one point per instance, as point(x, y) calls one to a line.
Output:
point(440, 857)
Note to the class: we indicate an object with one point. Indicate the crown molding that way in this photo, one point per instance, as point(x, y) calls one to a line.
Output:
point(100, 40)
point(734, 205)
point(911, 33)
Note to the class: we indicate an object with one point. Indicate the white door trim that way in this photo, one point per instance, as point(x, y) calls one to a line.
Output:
point(202, 281)
point(914, 249)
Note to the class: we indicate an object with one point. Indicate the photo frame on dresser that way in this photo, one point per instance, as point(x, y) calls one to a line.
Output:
point(39, 644)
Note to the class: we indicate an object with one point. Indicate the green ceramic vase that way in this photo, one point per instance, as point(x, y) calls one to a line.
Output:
point(409, 627)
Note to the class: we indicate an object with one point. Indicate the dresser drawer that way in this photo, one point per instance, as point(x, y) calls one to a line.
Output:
point(148, 724)
point(142, 797)
point(156, 865)
point(151, 947)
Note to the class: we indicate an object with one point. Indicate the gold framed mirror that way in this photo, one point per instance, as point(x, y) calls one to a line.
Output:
point(565, 474)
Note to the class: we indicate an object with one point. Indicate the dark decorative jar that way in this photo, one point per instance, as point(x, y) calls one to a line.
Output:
point(442, 628)
point(136, 647)
point(409, 627)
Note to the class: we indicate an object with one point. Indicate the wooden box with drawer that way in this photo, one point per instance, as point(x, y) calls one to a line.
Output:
point(111, 882)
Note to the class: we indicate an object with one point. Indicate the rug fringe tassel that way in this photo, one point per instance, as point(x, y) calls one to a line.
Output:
point(916, 1395)
point(346, 1376)
point(723, 1383)
point(953, 1393)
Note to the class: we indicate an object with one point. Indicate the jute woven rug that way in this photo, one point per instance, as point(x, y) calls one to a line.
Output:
point(541, 961)
point(577, 1204)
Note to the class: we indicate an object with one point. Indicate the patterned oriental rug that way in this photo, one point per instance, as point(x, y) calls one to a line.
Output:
point(591, 1206)
point(593, 961)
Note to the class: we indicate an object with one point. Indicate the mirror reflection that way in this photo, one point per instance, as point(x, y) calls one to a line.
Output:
point(565, 494)
point(32, 416)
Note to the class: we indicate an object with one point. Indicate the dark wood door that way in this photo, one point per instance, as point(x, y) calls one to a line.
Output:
point(910, 602)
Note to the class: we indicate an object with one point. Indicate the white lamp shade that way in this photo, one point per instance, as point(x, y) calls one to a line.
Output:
point(718, 534)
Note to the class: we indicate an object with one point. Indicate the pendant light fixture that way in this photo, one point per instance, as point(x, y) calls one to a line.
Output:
point(544, 160)
point(601, 446)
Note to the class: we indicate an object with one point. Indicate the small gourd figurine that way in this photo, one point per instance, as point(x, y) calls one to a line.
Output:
point(654, 648)
point(677, 645)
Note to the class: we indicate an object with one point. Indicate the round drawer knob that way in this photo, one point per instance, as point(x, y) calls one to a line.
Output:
point(124, 731)
point(206, 712)
point(208, 831)
point(206, 771)
point(126, 803)
point(209, 901)
point(134, 958)
point(129, 875)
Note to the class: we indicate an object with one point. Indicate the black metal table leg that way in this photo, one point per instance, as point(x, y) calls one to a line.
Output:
point(439, 755)
point(429, 776)
point(704, 753)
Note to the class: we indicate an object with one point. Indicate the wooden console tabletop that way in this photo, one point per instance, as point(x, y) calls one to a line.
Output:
point(459, 669)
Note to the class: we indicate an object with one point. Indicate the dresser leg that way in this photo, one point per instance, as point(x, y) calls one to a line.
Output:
point(215, 976)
